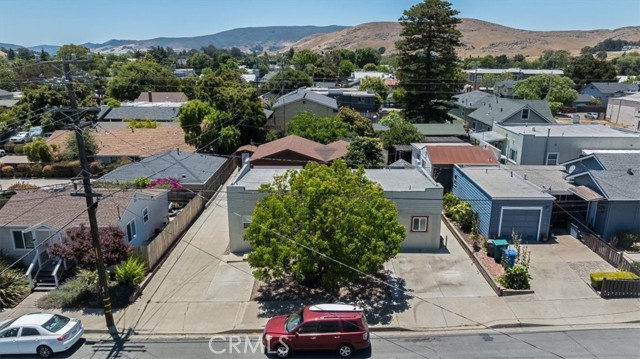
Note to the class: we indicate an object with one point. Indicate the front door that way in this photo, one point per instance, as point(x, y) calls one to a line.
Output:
point(9, 341)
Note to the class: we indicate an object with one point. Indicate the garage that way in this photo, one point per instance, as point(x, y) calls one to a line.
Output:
point(524, 220)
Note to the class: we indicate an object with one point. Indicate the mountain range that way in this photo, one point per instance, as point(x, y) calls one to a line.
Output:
point(480, 38)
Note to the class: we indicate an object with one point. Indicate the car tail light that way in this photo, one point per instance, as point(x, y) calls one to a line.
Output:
point(63, 338)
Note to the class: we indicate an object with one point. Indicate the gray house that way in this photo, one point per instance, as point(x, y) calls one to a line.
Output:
point(508, 111)
point(466, 103)
point(504, 202)
point(609, 184)
point(294, 102)
point(504, 88)
point(603, 91)
point(552, 144)
point(417, 197)
point(625, 111)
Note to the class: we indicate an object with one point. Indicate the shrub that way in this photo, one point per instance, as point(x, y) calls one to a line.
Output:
point(13, 285)
point(19, 148)
point(67, 295)
point(596, 278)
point(165, 183)
point(516, 277)
point(90, 278)
point(23, 185)
point(36, 170)
point(74, 168)
point(9, 147)
point(96, 167)
point(626, 240)
point(463, 214)
point(131, 272)
point(141, 182)
point(60, 170)
point(77, 246)
point(47, 171)
point(23, 169)
point(7, 171)
point(449, 201)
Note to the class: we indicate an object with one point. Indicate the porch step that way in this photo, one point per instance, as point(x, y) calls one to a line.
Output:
point(44, 287)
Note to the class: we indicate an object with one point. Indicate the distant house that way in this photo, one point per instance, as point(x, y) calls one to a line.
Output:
point(297, 101)
point(505, 203)
point(151, 113)
point(184, 73)
point(609, 185)
point(438, 159)
point(417, 197)
point(625, 111)
point(552, 144)
point(466, 103)
point(116, 143)
point(504, 88)
point(193, 170)
point(5, 95)
point(177, 97)
point(475, 76)
point(364, 102)
point(584, 99)
point(27, 230)
point(447, 129)
point(603, 91)
point(294, 152)
point(508, 111)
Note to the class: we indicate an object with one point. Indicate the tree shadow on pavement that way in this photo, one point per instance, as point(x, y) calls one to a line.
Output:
point(381, 295)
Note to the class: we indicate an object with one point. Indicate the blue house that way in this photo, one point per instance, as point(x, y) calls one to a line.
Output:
point(504, 201)
point(610, 184)
point(603, 91)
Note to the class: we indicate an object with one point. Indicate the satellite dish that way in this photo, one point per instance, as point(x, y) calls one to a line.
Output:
point(571, 169)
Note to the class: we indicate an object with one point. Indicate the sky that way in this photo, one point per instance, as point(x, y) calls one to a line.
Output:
point(38, 22)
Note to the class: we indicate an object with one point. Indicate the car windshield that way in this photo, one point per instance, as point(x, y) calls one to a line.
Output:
point(293, 320)
point(7, 324)
point(56, 323)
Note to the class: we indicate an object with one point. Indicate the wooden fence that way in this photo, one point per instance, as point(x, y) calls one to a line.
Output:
point(620, 288)
point(152, 252)
point(609, 254)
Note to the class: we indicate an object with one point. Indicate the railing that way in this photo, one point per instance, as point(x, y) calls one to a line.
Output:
point(56, 269)
point(620, 288)
point(610, 254)
point(33, 268)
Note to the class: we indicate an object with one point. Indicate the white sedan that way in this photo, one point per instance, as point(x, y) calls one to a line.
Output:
point(39, 333)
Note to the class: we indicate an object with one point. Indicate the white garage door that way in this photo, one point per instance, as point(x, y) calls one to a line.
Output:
point(525, 221)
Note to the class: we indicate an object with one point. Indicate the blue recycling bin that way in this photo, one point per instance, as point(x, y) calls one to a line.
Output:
point(511, 255)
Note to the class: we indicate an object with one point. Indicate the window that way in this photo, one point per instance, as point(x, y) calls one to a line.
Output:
point(56, 323)
point(9, 333)
point(329, 327)
point(309, 328)
point(28, 332)
point(513, 155)
point(246, 221)
point(419, 224)
point(552, 158)
point(525, 113)
point(23, 240)
point(350, 326)
point(455, 180)
point(131, 230)
point(145, 215)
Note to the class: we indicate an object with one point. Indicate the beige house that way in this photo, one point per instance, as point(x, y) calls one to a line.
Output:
point(625, 111)
point(297, 101)
point(416, 195)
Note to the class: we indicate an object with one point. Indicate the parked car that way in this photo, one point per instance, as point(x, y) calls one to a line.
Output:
point(39, 333)
point(341, 328)
point(591, 115)
point(20, 137)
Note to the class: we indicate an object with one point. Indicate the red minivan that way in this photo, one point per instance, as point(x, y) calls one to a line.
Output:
point(338, 327)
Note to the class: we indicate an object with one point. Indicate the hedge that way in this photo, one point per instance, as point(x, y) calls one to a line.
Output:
point(596, 278)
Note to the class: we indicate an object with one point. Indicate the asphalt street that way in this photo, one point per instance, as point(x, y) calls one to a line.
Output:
point(594, 343)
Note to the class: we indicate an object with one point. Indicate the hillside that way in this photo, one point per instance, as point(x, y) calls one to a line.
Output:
point(480, 38)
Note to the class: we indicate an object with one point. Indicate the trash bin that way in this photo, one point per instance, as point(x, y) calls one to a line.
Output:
point(500, 245)
point(491, 248)
point(512, 253)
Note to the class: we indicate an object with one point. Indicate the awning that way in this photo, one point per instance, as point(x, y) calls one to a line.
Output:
point(488, 136)
point(586, 193)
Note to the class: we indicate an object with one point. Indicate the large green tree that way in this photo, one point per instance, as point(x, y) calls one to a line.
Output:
point(357, 125)
point(322, 226)
point(289, 80)
point(400, 132)
point(376, 85)
point(427, 60)
point(320, 129)
point(586, 69)
point(134, 77)
point(364, 152)
point(558, 90)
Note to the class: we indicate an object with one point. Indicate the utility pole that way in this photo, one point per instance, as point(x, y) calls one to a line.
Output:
point(91, 205)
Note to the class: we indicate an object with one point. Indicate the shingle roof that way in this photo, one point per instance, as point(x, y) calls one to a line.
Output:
point(619, 161)
point(473, 99)
point(162, 97)
point(141, 142)
point(401, 164)
point(32, 207)
point(583, 97)
point(143, 113)
point(303, 146)
point(499, 109)
point(613, 87)
point(448, 155)
point(618, 184)
point(188, 168)
point(508, 83)
point(5, 93)
point(300, 94)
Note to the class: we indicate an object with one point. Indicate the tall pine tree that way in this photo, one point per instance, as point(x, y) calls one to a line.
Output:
point(428, 67)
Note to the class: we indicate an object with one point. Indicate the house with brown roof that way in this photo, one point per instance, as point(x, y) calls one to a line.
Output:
point(149, 96)
point(116, 143)
point(295, 151)
point(31, 220)
point(438, 159)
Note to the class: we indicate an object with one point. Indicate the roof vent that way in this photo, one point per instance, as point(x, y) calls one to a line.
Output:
point(630, 171)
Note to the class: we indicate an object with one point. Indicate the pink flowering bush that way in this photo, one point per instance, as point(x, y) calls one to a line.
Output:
point(165, 183)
